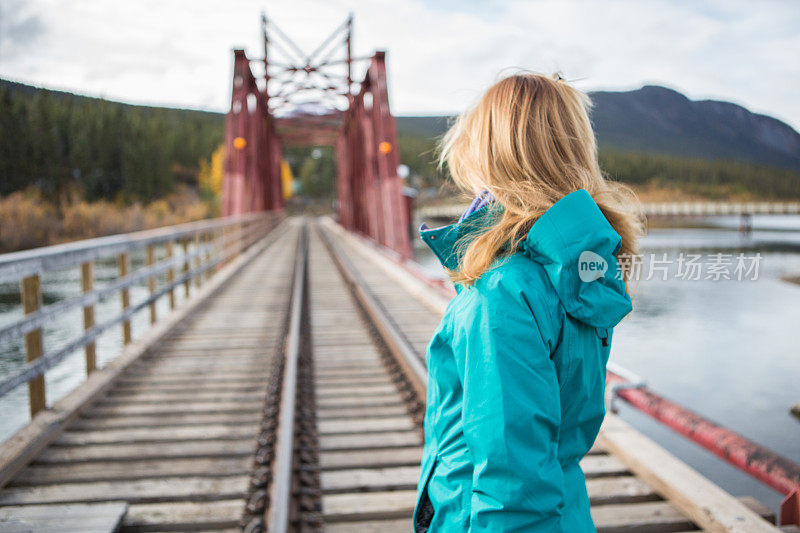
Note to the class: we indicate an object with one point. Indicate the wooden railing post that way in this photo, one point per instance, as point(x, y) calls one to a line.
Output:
point(239, 238)
point(227, 234)
point(209, 252)
point(31, 302)
point(87, 284)
point(170, 275)
point(198, 279)
point(217, 250)
point(151, 281)
point(185, 270)
point(123, 266)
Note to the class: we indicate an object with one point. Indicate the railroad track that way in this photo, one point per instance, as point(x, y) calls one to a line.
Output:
point(293, 402)
point(353, 463)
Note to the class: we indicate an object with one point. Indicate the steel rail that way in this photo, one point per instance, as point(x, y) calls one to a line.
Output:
point(17, 265)
point(280, 515)
point(401, 348)
point(39, 366)
point(280, 508)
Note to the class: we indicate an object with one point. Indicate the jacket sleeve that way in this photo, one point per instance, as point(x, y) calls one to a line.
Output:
point(511, 418)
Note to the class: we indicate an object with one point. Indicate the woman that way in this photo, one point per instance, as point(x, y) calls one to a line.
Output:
point(516, 369)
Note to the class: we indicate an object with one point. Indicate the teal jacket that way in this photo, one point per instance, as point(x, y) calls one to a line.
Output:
point(516, 376)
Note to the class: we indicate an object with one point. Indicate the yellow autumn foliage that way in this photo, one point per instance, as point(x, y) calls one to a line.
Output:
point(210, 175)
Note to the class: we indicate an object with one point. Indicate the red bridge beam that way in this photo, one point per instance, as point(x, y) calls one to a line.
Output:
point(252, 180)
point(370, 192)
point(765, 465)
point(304, 104)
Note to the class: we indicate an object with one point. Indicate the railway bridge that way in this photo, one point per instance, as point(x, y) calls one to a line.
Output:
point(279, 383)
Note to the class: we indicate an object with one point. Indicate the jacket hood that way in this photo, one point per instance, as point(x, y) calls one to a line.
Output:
point(574, 243)
point(578, 249)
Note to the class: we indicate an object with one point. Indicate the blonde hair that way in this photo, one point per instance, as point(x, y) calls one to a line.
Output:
point(529, 142)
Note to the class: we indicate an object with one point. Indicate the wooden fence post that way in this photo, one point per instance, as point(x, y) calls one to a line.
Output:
point(123, 266)
point(226, 244)
point(31, 302)
point(87, 284)
point(199, 261)
point(185, 270)
point(210, 252)
point(151, 281)
point(170, 275)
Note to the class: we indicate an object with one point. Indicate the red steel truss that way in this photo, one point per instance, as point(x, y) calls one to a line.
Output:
point(312, 100)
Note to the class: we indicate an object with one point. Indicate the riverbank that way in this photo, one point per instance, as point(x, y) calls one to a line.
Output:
point(27, 220)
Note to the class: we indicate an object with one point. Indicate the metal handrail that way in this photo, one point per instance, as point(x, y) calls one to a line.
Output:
point(31, 322)
point(216, 242)
point(16, 265)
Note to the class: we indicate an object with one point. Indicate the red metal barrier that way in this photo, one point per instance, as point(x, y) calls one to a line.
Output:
point(309, 99)
point(768, 467)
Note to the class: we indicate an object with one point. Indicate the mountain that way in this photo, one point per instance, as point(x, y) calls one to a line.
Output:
point(431, 126)
point(659, 120)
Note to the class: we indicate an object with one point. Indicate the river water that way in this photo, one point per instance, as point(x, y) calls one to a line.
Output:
point(728, 349)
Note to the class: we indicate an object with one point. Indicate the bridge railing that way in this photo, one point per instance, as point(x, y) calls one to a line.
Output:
point(659, 209)
point(205, 246)
point(720, 208)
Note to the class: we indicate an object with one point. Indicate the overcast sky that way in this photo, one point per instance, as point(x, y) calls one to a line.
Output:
point(440, 54)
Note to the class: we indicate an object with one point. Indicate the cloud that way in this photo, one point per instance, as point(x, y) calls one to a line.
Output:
point(441, 54)
point(19, 27)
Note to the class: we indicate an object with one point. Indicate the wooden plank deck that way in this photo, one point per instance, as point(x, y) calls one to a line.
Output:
point(63, 518)
point(174, 437)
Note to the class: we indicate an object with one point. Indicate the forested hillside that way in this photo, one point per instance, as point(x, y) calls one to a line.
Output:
point(68, 144)
point(73, 167)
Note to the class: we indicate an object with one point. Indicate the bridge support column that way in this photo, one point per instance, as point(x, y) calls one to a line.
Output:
point(252, 180)
point(371, 199)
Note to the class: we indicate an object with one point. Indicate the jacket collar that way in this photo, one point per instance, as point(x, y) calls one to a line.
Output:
point(443, 240)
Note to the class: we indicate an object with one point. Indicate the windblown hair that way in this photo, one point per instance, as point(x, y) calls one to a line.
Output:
point(529, 142)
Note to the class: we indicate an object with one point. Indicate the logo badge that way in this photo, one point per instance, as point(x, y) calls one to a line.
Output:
point(591, 266)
